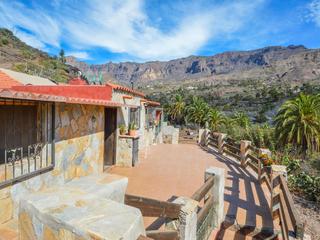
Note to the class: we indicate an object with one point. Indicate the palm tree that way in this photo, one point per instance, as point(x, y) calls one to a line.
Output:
point(241, 119)
point(215, 119)
point(298, 122)
point(176, 110)
point(197, 111)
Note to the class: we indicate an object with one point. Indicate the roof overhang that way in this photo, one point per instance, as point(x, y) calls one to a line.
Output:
point(150, 103)
point(21, 95)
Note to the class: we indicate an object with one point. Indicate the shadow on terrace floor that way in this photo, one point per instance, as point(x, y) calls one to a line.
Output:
point(178, 170)
point(247, 205)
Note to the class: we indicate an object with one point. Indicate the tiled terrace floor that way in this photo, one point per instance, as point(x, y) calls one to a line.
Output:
point(178, 170)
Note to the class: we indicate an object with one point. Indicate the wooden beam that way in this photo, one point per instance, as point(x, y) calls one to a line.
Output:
point(153, 208)
point(141, 237)
point(163, 234)
point(204, 210)
point(203, 190)
point(127, 97)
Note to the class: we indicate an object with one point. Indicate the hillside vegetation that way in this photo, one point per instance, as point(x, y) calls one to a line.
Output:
point(293, 136)
point(18, 56)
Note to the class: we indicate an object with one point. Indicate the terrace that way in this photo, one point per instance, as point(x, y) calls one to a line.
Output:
point(178, 170)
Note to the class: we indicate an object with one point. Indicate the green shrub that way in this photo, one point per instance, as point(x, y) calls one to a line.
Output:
point(307, 184)
point(4, 41)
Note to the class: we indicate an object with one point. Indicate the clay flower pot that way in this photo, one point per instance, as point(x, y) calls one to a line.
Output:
point(132, 132)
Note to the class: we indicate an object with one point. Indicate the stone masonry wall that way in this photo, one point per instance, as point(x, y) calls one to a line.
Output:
point(79, 140)
point(125, 152)
point(79, 147)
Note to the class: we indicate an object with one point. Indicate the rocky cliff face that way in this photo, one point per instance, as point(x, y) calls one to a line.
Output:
point(292, 63)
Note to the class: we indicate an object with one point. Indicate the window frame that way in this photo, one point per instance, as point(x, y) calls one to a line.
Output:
point(137, 117)
point(49, 107)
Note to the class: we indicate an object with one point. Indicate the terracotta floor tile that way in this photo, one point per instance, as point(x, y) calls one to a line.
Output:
point(178, 170)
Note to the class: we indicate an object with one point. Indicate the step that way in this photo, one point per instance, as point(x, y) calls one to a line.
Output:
point(65, 213)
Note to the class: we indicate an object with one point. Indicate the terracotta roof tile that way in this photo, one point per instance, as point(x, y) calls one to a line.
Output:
point(126, 89)
point(7, 82)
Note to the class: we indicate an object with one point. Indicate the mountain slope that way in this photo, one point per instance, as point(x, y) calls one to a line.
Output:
point(291, 64)
point(18, 56)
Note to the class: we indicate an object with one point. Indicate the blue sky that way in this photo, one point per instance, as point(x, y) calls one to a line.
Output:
point(99, 31)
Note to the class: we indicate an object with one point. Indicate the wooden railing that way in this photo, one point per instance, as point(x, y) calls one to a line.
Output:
point(282, 205)
point(156, 208)
point(205, 213)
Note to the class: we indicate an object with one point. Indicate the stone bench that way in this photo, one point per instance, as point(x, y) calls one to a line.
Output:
point(69, 214)
point(110, 186)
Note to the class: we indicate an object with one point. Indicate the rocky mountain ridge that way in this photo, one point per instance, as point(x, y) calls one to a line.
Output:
point(276, 63)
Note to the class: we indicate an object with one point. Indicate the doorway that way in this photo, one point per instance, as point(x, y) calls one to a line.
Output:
point(110, 127)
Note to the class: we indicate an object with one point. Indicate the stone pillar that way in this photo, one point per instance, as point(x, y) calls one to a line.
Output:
point(186, 225)
point(203, 136)
point(244, 150)
point(221, 138)
point(279, 170)
point(217, 192)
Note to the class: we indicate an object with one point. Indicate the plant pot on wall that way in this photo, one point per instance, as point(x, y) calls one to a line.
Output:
point(132, 129)
point(132, 132)
point(122, 129)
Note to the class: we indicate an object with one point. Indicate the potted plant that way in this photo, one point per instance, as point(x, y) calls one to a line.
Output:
point(122, 129)
point(132, 129)
point(267, 162)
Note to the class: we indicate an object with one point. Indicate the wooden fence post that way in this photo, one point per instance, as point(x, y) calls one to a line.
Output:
point(217, 193)
point(221, 140)
point(244, 150)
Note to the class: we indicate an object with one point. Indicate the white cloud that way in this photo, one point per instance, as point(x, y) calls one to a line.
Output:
point(29, 39)
point(43, 27)
point(314, 8)
point(123, 26)
point(79, 55)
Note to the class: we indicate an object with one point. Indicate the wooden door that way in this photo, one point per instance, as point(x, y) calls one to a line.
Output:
point(110, 136)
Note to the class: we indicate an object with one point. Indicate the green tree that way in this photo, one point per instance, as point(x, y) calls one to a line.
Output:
point(297, 122)
point(176, 109)
point(215, 119)
point(197, 111)
point(241, 119)
point(62, 56)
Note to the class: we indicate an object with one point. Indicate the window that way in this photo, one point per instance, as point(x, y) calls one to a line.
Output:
point(26, 132)
point(149, 117)
point(134, 116)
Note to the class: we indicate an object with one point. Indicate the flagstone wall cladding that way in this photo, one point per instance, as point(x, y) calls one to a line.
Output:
point(79, 140)
point(124, 152)
point(79, 147)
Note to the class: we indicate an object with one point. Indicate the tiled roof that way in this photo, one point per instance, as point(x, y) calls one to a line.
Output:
point(27, 79)
point(27, 95)
point(125, 89)
point(6, 81)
